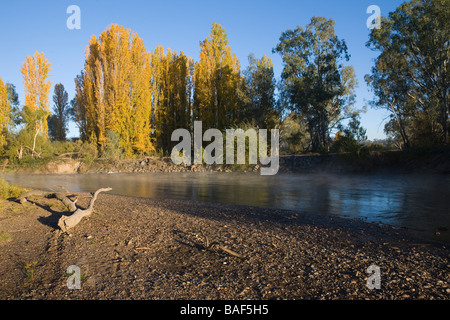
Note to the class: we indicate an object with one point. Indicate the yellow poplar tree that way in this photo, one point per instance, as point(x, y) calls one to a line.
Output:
point(217, 78)
point(35, 72)
point(113, 93)
point(172, 90)
point(5, 110)
point(140, 98)
point(160, 69)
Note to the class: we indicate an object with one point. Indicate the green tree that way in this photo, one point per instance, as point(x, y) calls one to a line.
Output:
point(260, 86)
point(315, 82)
point(411, 76)
point(350, 137)
point(294, 135)
point(59, 120)
point(13, 98)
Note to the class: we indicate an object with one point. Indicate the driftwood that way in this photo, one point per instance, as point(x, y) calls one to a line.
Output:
point(208, 245)
point(66, 222)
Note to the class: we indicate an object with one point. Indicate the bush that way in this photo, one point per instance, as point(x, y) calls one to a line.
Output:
point(7, 191)
point(88, 151)
point(345, 144)
point(113, 151)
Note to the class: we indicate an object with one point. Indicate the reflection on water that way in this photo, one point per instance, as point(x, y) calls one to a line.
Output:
point(417, 202)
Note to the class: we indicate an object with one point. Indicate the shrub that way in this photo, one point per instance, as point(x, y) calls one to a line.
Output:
point(88, 151)
point(7, 191)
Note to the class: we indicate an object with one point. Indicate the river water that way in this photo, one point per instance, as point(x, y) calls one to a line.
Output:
point(420, 203)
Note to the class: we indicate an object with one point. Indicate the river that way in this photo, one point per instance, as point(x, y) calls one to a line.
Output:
point(420, 203)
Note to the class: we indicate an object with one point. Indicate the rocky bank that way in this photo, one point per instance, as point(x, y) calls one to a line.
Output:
point(134, 248)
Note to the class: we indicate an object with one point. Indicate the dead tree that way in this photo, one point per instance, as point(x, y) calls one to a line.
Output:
point(66, 222)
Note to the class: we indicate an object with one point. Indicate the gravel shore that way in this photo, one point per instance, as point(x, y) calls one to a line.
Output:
point(135, 248)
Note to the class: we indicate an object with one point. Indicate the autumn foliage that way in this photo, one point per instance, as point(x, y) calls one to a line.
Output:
point(4, 112)
point(144, 96)
point(37, 86)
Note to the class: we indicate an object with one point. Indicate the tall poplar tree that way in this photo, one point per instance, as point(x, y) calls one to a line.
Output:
point(113, 92)
point(217, 79)
point(172, 94)
point(5, 110)
point(59, 120)
point(35, 71)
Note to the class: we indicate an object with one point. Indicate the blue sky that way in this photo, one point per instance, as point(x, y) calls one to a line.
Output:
point(252, 27)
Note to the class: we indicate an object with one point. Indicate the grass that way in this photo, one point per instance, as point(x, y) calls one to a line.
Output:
point(4, 237)
point(29, 269)
point(8, 191)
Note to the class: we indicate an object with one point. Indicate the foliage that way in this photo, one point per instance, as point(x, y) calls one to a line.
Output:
point(5, 109)
point(113, 150)
point(315, 82)
point(128, 101)
point(411, 75)
point(350, 138)
point(88, 152)
point(294, 135)
point(172, 85)
point(8, 191)
point(260, 87)
point(35, 71)
point(59, 120)
point(113, 91)
point(217, 78)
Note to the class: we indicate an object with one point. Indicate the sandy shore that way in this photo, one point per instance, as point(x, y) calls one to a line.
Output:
point(134, 248)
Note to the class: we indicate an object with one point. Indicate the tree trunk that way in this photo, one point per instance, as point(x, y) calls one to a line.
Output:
point(401, 127)
point(66, 222)
point(20, 152)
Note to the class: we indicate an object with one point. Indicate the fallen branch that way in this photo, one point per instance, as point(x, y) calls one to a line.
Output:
point(62, 155)
point(65, 222)
point(33, 152)
point(209, 245)
point(230, 252)
point(23, 198)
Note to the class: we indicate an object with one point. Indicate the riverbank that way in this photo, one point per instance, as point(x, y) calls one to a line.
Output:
point(436, 161)
point(135, 248)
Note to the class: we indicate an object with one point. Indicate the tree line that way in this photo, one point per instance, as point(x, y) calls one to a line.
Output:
point(130, 99)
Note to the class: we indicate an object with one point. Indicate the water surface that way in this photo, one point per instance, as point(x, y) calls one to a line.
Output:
point(420, 203)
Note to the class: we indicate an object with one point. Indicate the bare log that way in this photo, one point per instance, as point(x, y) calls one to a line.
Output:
point(67, 222)
point(23, 198)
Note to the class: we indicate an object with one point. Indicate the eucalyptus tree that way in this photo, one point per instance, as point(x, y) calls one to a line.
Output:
point(411, 75)
point(315, 81)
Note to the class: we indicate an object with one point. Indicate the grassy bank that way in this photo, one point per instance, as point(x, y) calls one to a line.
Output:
point(360, 160)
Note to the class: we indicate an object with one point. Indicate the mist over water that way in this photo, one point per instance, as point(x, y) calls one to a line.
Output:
point(418, 202)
